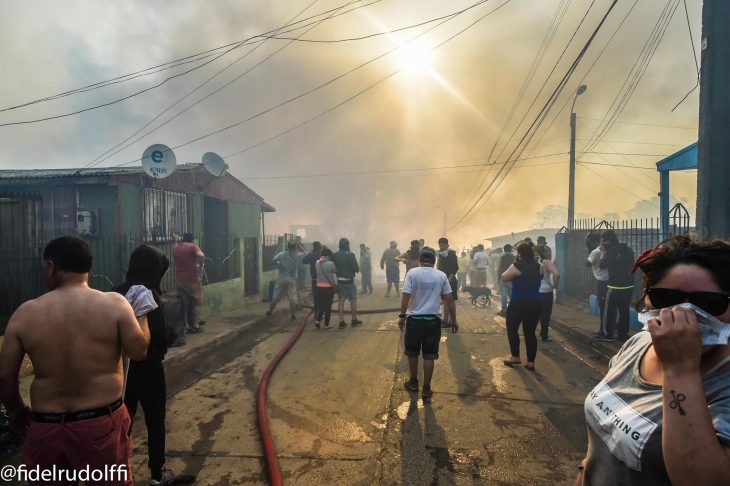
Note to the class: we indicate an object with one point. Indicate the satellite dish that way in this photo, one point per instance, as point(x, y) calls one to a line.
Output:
point(158, 161)
point(214, 164)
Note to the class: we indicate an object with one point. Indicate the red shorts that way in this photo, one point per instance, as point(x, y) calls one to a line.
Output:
point(95, 444)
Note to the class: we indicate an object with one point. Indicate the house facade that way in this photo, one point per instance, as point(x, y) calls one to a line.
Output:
point(115, 210)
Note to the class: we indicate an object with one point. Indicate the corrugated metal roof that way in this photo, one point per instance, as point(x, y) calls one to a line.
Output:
point(92, 172)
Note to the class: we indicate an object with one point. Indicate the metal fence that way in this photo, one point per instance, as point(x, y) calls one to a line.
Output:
point(268, 251)
point(639, 234)
point(20, 268)
point(251, 265)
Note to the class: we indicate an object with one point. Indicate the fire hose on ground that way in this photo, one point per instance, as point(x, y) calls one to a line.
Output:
point(267, 440)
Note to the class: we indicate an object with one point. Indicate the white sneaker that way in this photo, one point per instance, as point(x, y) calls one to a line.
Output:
point(167, 478)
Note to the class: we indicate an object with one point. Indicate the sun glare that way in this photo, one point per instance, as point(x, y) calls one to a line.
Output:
point(413, 60)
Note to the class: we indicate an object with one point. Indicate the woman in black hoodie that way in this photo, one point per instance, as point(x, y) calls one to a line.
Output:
point(146, 379)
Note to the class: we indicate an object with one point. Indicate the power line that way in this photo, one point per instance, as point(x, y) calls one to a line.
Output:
point(177, 62)
point(321, 114)
point(694, 54)
point(620, 187)
point(585, 75)
point(642, 124)
point(627, 153)
point(636, 73)
point(542, 114)
point(115, 150)
point(617, 165)
point(547, 39)
point(105, 156)
point(391, 171)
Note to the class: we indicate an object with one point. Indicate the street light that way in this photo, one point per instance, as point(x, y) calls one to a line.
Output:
point(571, 181)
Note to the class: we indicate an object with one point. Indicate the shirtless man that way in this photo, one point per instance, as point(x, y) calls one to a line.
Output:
point(74, 336)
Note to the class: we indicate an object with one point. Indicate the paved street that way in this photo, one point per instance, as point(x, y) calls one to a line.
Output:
point(340, 415)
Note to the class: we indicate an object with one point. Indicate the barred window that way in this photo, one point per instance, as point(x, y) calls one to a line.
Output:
point(165, 214)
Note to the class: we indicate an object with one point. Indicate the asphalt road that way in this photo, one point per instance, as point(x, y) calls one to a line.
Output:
point(340, 415)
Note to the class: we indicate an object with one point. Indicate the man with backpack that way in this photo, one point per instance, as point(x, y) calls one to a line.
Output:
point(618, 258)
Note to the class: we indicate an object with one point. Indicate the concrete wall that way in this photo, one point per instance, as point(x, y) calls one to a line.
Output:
point(222, 296)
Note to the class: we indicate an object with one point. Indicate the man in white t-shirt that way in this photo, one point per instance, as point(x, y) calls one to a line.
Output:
point(593, 240)
point(423, 290)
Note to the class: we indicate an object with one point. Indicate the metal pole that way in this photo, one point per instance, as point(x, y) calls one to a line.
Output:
point(571, 180)
point(713, 203)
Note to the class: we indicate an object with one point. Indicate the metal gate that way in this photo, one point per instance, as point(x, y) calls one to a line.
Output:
point(251, 265)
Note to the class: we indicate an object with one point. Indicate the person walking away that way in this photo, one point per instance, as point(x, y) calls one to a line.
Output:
point(549, 282)
point(146, 384)
point(392, 270)
point(668, 389)
point(311, 259)
point(410, 256)
point(188, 263)
point(463, 263)
point(493, 264)
point(326, 286)
point(593, 243)
point(472, 267)
point(505, 288)
point(286, 283)
point(74, 337)
point(423, 290)
point(541, 240)
point(448, 263)
point(481, 262)
point(618, 259)
point(524, 305)
point(347, 267)
point(366, 269)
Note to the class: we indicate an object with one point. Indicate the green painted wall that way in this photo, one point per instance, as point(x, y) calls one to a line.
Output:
point(103, 199)
point(130, 209)
point(222, 296)
point(244, 219)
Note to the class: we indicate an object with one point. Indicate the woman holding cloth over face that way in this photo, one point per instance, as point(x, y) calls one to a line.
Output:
point(661, 415)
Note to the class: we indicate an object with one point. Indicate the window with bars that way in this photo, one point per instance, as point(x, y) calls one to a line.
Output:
point(165, 214)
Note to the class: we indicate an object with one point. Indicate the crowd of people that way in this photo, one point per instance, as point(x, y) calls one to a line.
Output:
point(661, 414)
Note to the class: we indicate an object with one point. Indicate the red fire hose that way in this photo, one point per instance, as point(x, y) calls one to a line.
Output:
point(267, 440)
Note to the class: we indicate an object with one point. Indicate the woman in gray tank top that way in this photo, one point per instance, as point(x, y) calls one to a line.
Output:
point(661, 415)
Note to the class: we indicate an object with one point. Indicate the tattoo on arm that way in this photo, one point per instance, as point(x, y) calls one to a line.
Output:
point(677, 399)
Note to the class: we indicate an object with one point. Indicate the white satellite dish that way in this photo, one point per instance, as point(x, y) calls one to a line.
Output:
point(158, 161)
point(214, 164)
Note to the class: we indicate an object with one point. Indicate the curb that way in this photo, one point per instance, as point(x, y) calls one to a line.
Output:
point(579, 336)
point(209, 346)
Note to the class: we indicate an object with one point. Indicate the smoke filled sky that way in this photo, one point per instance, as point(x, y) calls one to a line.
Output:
point(451, 88)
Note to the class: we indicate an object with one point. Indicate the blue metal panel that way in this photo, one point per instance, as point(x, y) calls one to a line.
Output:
point(681, 160)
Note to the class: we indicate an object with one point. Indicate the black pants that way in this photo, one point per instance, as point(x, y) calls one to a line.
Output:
point(527, 313)
point(323, 303)
point(601, 289)
point(546, 311)
point(618, 302)
point(315, 297)
point(146, 385)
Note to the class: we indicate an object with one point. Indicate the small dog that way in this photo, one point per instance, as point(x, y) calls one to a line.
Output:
point(481, 294)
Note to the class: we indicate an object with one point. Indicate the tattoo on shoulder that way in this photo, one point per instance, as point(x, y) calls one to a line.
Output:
point(677, 399)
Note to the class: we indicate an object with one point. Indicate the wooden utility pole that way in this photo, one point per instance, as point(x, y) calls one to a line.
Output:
point(713, 176)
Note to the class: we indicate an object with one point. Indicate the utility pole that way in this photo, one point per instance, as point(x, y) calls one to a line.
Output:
point(571, 179)
point(713, 201)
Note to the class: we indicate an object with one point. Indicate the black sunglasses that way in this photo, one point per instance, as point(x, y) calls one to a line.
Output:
point(714, 303)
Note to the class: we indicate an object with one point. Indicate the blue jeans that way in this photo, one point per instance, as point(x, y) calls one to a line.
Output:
point(505, 289)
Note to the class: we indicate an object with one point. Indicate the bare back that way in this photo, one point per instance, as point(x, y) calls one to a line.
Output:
point(73, 336)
